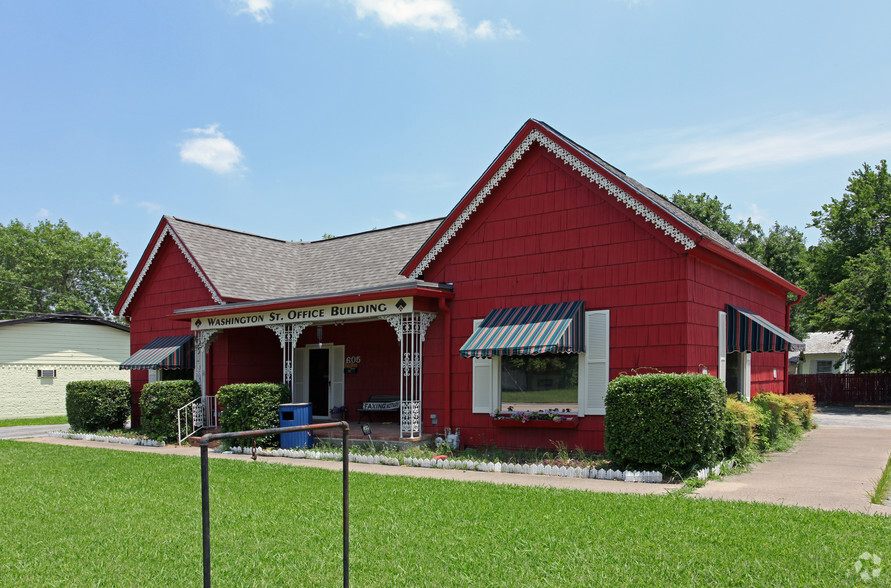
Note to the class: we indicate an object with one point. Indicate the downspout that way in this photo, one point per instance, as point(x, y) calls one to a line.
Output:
point(446, 363)
point(789, 305)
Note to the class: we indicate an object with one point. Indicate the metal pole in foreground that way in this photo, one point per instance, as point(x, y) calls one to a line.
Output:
point(346, 505)
point(205, 514)
point(205, 486)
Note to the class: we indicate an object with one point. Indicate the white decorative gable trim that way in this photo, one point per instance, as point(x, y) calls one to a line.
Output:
point(148, 263)
point(575, 163)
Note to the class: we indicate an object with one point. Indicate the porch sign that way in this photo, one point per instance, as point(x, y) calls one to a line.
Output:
point(307, 314)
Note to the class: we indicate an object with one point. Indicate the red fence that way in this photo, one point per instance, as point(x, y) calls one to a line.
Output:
point(843, 388)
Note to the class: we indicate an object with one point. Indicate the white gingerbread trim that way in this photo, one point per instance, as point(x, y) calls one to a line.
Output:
point(572, 161)
point(148, 263)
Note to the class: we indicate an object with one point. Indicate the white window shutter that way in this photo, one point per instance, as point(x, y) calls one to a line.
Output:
point(746, 375)
point(335, 369)
point(301, 375)
point(154, 376)
point(722, 346)
point(595, 363)
point(484, 392)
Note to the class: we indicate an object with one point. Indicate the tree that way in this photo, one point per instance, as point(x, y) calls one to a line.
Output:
point(51, 267)
point(849, 268)
point(710, 211)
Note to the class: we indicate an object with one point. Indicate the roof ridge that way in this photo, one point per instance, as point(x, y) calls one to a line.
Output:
point(431, 220)
point(218, 228)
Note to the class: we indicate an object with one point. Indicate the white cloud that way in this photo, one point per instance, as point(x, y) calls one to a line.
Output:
point(259, 9)
point(150, 207)
point(779, 142)
point(116, 199)
point(431, 15)
point(756, 213)
point(400, 215)
point(211, 149)
point(42, 213)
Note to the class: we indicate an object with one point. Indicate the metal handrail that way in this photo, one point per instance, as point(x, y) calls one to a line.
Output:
point(205, 441)
point(187, 410)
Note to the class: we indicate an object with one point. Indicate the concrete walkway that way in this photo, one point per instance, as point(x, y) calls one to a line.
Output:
point(831, 468)
point(614, 486)
point(29, 431)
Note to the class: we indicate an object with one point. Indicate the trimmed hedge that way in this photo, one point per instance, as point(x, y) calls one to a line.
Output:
point(788, 416)
point(248, 407)
point(159, 402)
point(96, 405)
point(669, 422)
point(742, 423)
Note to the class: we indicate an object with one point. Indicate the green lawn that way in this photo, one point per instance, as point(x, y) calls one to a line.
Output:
point(73, 516)
point(53, 420)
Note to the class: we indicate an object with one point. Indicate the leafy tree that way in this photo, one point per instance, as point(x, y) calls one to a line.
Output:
point(849, 269)
point(784, 252)
point(51, 267)
point(746, 235)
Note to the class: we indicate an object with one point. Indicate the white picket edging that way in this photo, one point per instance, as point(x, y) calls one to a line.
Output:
point(106, 438)
point(467, 464)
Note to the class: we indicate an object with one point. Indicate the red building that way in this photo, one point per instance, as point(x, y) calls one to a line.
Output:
point(554, 273)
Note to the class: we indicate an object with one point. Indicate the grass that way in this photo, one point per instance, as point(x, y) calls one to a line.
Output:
point(883, 485)
point(52, 420)
point(74, 516)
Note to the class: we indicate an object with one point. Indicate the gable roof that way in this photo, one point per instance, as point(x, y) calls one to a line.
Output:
point(826, 342)
point(653, 208)
point(238, 266)
point(74, 317)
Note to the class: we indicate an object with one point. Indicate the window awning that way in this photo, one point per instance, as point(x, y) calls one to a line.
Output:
point(746, 331)
point(529, 330)
point(169, 353)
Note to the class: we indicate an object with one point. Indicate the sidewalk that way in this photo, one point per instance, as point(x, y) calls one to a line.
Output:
point(831, 468)
point(414, 472)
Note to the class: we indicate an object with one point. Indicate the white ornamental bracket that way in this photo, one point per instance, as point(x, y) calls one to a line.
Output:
point(288, 334)
point(203, 341)
point(411, 329)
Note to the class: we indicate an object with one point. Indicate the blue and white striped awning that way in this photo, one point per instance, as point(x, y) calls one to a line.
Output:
point(529, 330)
point(167, 353)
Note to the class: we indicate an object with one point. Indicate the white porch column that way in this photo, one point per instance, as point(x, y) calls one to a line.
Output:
point(287, 335)
point(411, 329)
point(203, 341)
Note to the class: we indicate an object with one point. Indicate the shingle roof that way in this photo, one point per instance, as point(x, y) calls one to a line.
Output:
point(250, 267)
point(826, 342)
point(67, 316)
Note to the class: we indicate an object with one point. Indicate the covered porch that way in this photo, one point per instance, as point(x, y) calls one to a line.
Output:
point(333, 354)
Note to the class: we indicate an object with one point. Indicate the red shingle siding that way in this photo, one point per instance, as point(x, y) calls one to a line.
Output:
point(545, 235)
point(170, 283)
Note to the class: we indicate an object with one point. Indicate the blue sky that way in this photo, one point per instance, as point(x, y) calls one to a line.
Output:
point(294, 118)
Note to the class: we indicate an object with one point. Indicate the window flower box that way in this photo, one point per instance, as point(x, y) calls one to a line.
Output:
point(545, 419)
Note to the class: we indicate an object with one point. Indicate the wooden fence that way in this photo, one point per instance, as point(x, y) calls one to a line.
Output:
point(843, 388)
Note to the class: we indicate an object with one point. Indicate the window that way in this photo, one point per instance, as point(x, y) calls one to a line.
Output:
point(824, 366)
point(547, 380)
point(540, 382)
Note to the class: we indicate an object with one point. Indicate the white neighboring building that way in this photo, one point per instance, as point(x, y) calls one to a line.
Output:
point(40, 355)
point(822, 353)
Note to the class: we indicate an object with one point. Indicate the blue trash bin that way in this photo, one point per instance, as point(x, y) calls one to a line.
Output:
point(292, 415)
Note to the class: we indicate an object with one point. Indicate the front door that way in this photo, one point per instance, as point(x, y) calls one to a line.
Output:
point(319, 381)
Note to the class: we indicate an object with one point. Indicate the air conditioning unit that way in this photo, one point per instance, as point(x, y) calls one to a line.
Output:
point(46, 373)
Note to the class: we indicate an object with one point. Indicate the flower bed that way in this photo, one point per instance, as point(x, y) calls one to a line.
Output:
point(464, 464)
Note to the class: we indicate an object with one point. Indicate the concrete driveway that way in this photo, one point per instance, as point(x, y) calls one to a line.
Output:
point(29, 431)
point(833, 467)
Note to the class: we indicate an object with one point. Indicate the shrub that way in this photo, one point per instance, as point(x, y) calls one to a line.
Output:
point(742, 423)
point(159, 402)
point(248, 407)
point(670, 422)
point(804, 406)
point(94, 405)
point(787, 416)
